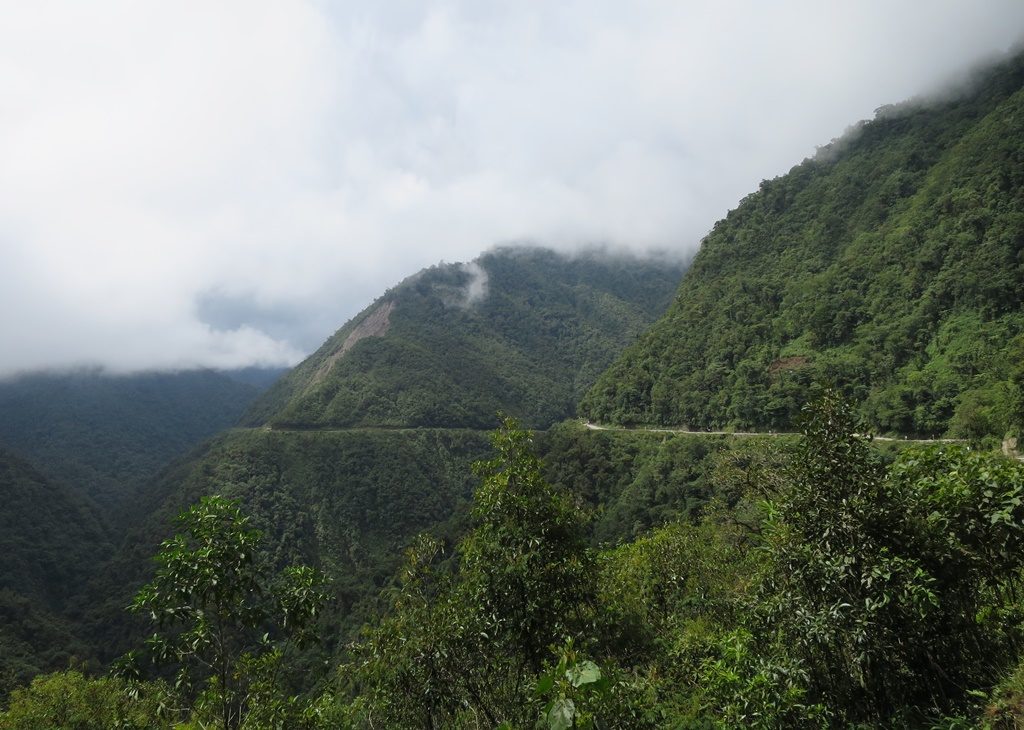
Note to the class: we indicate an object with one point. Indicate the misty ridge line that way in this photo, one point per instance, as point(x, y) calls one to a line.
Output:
point(429, 152)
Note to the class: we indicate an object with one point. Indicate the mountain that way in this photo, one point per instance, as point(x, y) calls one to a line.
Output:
point(520, 330)
point(370, 441)
point(79, 450)
point(105, 435)
point(49, 539)
point(892, 264)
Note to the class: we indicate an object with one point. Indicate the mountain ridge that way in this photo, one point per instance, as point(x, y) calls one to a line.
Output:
point(891, 265)
point(432, 351)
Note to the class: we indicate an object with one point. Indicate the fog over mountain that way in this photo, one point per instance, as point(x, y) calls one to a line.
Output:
point(220, 185)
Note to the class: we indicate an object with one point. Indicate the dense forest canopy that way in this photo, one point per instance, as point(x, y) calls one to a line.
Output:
point(829, 584)
point(104, 435)
point(891, 264)
point(50, 538)
point(521, 330)
point(838, 586)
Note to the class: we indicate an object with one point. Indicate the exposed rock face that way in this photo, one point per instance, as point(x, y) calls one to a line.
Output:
point(788, 363)
point(375, 324)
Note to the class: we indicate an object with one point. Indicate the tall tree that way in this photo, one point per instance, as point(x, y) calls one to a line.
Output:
point(214, 609)
point(473, 644)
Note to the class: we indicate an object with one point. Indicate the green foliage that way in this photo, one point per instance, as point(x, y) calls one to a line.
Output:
point(208, 600)
point(633, 481)
point(70, 701)
point(670, 582)
point(859, 558)
point(426, 354)
point(788, 603)
point(741, 686)
point(841, 590)
point(577, 693)
point(525, 563)
point(889, 265)
point(475, 643)
point(1005, 707)
point(671, 606)
point(93, 440)
point(46, 533)
point(346, 502)
point(104, 436)
point(35, 639)
point(49, 538)
point(841, 584)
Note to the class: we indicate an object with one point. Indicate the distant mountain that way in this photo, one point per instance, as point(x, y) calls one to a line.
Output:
point(521, 330)
point(892, 263)
point(259, 377)
point(104, 436)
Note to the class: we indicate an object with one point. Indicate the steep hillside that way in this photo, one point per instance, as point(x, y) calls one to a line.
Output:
point(104, 435)
point(892, 263)
point(525, 331)
point(371, 440)
point(49, 540)
point(350, 501)
point(347, 501)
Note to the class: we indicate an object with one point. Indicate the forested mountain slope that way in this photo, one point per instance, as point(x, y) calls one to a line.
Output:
point(892, 263)
point(348, 502)
point(49, 539)
point(104, 435)
point(521, 330)
point(644, 579)
point(371, 439)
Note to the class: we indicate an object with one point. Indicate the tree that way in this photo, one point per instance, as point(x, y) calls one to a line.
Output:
point(472, 644)
point(72, 701)
point(893, 588)
point(526, 563)
point(219, 616)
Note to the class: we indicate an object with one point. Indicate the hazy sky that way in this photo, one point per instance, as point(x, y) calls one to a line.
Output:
point(225, 183)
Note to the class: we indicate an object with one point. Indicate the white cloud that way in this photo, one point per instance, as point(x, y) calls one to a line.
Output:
point(287, 161)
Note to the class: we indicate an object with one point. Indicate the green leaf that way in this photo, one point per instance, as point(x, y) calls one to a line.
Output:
point(544, 685)
point(586, 672)
point(561, 714)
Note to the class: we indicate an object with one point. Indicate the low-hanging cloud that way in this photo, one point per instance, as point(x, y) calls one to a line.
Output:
point(181, 181)
point(476, 286)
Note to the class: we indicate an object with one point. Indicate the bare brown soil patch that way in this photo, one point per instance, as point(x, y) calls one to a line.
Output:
point(788, 363)
point(375, 324)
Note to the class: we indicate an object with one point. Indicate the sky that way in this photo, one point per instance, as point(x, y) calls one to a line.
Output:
point(197, 184)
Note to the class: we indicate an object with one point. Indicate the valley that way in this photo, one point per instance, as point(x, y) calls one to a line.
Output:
point(760, 488)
